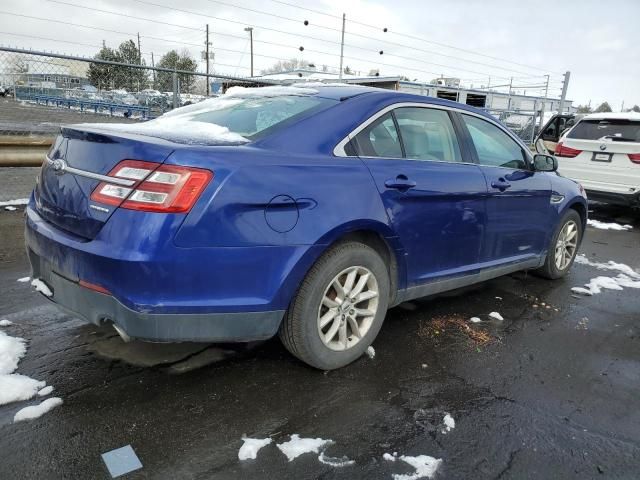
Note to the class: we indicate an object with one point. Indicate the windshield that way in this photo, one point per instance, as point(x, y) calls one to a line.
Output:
point(255, 117)
point(617, 130)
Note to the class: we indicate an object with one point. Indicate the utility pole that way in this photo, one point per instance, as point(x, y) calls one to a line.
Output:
point(153, 65)
point(344, 17)
point(565, 85)
point(206, 44)
point(510, 86)
point(544, 102)
point(139, 51)
point(250, 30)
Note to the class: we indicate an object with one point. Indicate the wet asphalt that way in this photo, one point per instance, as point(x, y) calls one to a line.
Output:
point(548, 393)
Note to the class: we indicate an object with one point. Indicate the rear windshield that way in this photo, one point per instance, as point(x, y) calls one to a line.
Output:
point(255, 117)
point(616, 130)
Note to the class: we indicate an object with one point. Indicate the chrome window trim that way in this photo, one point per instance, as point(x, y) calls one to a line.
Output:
point(95, 176)
point(339, 150)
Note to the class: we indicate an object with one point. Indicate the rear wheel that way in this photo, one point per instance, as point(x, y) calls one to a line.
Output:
point(339, 307)
point(564, 246)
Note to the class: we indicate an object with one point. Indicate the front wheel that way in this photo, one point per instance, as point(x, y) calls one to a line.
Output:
point(339, 307)
point(564, 246)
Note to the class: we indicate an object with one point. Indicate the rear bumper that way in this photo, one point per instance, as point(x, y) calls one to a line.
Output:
point(629, 200)
point(97, 308)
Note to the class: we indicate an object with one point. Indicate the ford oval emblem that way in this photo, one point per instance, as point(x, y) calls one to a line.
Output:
point(603, 147)
point(59, 166)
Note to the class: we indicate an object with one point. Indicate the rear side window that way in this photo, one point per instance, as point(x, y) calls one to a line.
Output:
point(494, 147)
point(427, 134)
point(380, 139)
point(255, 117)
point(617, 130)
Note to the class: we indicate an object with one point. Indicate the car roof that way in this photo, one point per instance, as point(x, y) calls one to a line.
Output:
point(635, 116)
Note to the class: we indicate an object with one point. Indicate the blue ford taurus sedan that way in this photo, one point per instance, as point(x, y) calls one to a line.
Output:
point(304, 212)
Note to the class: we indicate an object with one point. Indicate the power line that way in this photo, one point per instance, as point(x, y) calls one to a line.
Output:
point(413, 37)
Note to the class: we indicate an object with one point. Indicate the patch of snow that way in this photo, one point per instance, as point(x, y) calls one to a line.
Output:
point(5, 323)
point(608, 226)
point(449, 423)
point(12, 349)
point(581, 291)
point(475, 320)
point(13, 203)
point(610, 265)
point(297, 446)
point(371, 352)
point(335, 462)
point(45, 391)
point(496, 315)
point(15, 387)
point(35, 411)
point(24, 279)
point(208, 105)
point(41, 287)
point(251, 446)
point(10, 208)
point(498, 298)
point(274, 91)
point(389, 457)
point(425, 466)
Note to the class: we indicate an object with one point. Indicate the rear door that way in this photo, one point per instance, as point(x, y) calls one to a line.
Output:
point(603, 154)
point(519, 199)
point(434, 199)
point(62, 196)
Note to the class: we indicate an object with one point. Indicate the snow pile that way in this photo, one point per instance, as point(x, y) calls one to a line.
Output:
point(371, 352)
point(608, 226)
point(425, 466)
point(41, 287)
point(5, 323)
point(251, 446)
point(45, 391)
point(24, 279)
point(14, 387)
point(335, 462)
point(10, 208)
point(297, 446)
point(35, 411)
point(627, 278)
point(449, 423)
point(13, 203)
point(475, 320)
point(261, 92)
point(496, 315)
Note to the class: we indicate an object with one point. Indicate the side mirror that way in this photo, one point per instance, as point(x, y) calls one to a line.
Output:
point(545, 163)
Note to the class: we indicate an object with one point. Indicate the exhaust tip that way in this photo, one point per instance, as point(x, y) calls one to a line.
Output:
point(126, 338)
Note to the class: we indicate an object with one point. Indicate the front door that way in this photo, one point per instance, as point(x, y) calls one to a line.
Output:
point(518, 203)
point(434, 200)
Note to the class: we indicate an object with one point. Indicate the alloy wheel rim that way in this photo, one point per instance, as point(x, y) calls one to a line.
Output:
point(566, 245)
point(349, 305)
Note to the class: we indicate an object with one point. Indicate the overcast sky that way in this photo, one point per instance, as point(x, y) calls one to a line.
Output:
point(492, 40)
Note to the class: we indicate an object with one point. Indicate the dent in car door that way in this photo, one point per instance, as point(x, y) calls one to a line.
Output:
point(434, 202)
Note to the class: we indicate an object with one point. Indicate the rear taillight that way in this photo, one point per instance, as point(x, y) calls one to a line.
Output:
point(157, 188)
point(634, 157)
point(562, 151)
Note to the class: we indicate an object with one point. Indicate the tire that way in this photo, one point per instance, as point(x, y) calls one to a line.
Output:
point(551, 269)
point(318, 300)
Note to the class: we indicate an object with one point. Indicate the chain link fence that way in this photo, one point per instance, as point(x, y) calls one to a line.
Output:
point(41, 91)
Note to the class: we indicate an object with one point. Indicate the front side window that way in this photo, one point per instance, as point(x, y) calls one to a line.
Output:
point(494, 147)
point(427, 134)
point(380, 139)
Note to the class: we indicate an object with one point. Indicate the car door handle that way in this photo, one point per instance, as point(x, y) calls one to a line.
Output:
point(401, 182)
point(501, 184)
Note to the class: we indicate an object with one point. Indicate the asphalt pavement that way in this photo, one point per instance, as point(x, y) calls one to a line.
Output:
point(550, 392)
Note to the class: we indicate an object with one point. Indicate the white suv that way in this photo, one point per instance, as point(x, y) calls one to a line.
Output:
point(602, 152)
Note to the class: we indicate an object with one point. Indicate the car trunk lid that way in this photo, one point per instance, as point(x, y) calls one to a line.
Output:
point(74, 167)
